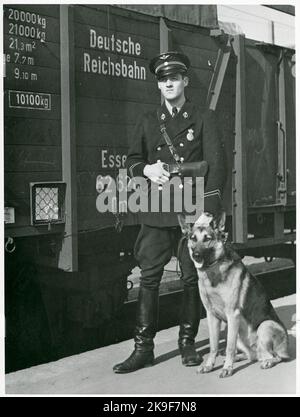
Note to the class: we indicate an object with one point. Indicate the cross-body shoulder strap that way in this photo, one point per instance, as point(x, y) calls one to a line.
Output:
point(168, 141)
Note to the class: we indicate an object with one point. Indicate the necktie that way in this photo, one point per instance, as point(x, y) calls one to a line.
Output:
point(174, 111)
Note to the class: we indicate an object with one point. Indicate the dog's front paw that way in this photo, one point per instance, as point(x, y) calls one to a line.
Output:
point(226, 372)
point(204, 369)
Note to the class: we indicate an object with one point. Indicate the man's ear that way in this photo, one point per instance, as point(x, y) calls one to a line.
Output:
point(185, 227)
point(186, 80)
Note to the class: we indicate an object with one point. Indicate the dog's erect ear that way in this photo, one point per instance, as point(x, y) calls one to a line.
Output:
point(222, 221)
point(219, 221)
point(185, 227)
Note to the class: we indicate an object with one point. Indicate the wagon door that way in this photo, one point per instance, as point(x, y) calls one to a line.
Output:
point(270, 121)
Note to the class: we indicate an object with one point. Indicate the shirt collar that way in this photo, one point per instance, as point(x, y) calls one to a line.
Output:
point(169, 107)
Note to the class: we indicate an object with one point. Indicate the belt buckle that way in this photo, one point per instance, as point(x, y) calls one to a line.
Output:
point(173, 169)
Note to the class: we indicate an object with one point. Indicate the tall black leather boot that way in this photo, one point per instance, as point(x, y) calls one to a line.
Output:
point(189, 323)
point(145, 330)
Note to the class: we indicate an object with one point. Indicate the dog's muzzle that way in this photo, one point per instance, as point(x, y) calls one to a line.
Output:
point(197, 258)
point(196, 255)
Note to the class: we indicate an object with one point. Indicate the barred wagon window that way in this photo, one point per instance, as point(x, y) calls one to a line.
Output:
point(47, 203)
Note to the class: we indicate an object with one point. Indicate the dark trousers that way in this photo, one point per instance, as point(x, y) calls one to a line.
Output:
point(154, 248)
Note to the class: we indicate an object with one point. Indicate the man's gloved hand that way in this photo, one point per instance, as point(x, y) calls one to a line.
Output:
point(156, 173)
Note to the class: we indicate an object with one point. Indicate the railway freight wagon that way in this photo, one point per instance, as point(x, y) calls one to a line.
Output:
point(76, 80)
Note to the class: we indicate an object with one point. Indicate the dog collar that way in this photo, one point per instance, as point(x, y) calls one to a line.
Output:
point(213, 264)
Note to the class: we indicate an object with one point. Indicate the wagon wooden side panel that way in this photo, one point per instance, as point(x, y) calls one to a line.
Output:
point(113, 87)
point(32, 117)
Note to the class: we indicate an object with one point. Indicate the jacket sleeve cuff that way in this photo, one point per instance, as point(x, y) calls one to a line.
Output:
point(212, 202)
point(137, 169)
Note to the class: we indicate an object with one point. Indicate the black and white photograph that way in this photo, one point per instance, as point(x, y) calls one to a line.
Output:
point(149, 196)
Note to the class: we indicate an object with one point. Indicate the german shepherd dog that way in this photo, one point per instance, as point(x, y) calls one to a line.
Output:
point(231, 294)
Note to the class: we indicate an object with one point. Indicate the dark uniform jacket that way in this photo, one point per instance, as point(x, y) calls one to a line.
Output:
point(148, 146)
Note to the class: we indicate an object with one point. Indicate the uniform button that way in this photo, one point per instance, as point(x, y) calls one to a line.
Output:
point(181, 144)
point(159, 148)
point(180, 185)
point(182, 159)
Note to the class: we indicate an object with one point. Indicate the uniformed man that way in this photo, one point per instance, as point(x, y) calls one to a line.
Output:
point(195, 138)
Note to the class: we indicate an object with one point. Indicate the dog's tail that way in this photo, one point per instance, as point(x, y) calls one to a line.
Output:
point(281, 344)
point(283, 351)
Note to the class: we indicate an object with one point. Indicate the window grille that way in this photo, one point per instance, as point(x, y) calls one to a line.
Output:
point(47, 202)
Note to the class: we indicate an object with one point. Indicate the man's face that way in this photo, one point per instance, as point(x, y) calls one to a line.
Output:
point(172, 86)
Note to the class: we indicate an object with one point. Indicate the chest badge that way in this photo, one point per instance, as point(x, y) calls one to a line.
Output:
point(163, 116)
point(185, 115)
point(190, 135)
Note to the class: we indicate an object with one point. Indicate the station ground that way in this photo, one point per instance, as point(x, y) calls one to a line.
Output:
point(90, 373)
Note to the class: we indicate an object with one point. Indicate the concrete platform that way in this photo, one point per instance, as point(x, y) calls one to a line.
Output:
point(90, 373)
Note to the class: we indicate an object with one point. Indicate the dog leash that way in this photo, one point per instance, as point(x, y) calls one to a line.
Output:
point(179, 253)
